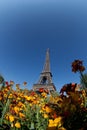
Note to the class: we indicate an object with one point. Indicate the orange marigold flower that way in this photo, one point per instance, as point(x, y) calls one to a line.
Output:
point(10, 96)
point(17, 125)
point(20, 104)
point(21, 115)
point(48, 109)
point(11, 118)
point(5, 95)
point(51, 122)
point(16, 109)
point(58, 119)
point(44, 94)
point(28, 98)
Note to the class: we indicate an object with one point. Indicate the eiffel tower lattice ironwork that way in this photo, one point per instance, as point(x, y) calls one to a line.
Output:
point(45, 80)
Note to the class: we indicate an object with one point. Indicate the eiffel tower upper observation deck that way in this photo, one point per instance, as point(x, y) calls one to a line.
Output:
point(45, 80)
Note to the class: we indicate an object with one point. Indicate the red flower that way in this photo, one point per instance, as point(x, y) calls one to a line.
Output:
point(41, 90)
point(7, 83)
point(54, 115)
point(77, 65)
point(68, 88)
point(33, 93)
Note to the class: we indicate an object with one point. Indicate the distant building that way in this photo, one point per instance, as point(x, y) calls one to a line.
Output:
point(45, 80)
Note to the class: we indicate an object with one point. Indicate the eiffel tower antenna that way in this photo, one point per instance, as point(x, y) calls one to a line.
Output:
point(45, 80)
point(47, 62)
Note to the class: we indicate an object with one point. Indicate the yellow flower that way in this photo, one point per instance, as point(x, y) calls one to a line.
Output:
point(35, 102)
point(21, 115)
point(16, 109)
point(44, 94)
point(41, 111)
point(5, 95)
point(17, 125)
point(10, 96)
point(43, 107)
point(83, 93)
point(51, 123)
point(11, 118)
point(20, 104)
point(18, 98)
point(55, 123)
point(58, 119)
point(30, 104)
point(28, 98)
point(45, 115)
point(48, 109)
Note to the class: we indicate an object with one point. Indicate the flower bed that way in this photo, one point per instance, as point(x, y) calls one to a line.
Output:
point(23, 109)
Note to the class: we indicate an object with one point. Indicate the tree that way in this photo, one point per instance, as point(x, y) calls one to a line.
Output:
point(1, 79)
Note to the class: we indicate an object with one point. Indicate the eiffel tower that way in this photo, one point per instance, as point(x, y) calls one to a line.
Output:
point(45, 80)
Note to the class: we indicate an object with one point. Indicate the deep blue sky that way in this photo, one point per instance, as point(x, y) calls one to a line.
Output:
point(29, 27)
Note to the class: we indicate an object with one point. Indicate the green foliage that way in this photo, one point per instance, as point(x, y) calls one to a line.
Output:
point(34, 119)
point(83, 80)
point(1, 79)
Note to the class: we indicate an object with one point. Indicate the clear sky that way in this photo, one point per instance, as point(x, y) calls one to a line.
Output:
point(29, 27)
